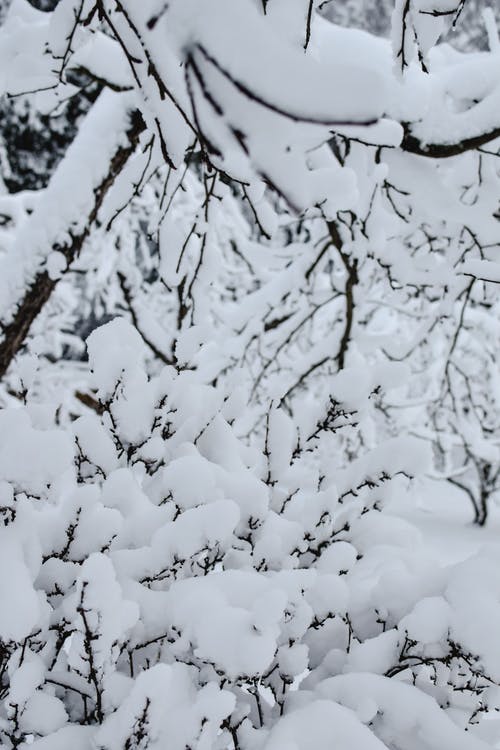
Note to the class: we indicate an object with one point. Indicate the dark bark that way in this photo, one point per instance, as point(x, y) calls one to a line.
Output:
point(14, 333)
point(414, 145)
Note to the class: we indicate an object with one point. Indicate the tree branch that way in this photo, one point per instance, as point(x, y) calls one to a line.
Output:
point(127, 296)
point(414, 145)
point(40, 290)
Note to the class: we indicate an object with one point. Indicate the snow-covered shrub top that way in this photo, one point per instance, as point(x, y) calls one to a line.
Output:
point(164, 584)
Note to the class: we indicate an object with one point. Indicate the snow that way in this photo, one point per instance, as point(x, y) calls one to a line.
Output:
point(429, 621)
point(481, 269)
point(172, 704)
point(47, 228)
point(245, 522)
point(16, 587)
point(305, 80)
point(79, 738)
point(32, 458)
point(321, 724)
point(114, 353)
point(415, 717)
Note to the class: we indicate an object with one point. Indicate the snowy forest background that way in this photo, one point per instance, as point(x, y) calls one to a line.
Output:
point(249, 375)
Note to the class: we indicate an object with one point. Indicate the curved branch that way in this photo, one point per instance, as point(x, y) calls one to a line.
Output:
point(415, 145)
point(254, 96)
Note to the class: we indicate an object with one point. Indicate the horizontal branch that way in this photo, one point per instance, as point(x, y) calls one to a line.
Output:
point(415, 145)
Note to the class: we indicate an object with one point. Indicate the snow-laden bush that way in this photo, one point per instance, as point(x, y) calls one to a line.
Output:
point(292, 207)
point(299, 195)
point(164, 584)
